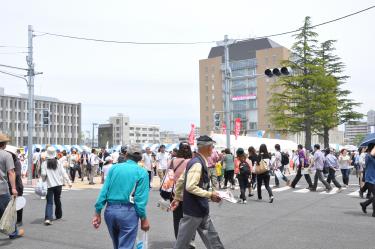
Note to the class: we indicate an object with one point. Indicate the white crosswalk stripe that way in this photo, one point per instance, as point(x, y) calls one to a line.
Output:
point(355, 193)
point(30, 191)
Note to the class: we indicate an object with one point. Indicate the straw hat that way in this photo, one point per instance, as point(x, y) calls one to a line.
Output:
point(11, 149)
point(51, 153)
point(4, 138)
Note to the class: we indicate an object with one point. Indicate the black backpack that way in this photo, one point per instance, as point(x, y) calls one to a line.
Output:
point(244, 169)
point(284, 159)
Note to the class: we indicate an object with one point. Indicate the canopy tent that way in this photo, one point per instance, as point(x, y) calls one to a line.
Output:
point(350, 147)
point(245, 142)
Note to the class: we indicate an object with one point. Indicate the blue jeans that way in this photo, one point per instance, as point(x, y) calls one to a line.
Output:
point(4, 200)
point(122, 223)
point(53, 195)
point(345, 176)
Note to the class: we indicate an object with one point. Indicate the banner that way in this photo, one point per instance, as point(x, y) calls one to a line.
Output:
point(192, 135)
point(237, 127)
point(223, 129)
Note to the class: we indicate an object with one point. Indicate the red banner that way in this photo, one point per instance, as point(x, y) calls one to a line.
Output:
point(223, 129)
point(192, 135)
point(237, 127)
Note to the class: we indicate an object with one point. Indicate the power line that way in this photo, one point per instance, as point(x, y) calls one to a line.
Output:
point(198, 42)
point(4, 46)
point(13, 52)
point(20, 68)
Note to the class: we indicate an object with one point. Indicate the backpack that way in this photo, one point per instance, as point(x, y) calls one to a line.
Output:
point(284, 159)
point(244, 169)
point(168, 183)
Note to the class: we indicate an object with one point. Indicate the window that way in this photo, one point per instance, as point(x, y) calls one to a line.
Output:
point(131, 134)
point(144, 129)
point(117, 128)
point(252, 126)
point(126, 123)
point(132, 128)
point(213, 86)
point(117, 121)
point(138, 129)
point(206, 88)
point(144, 135)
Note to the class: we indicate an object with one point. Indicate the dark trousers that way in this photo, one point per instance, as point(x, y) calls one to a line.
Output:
point(319, 176)
point(229, 176)
point(149, 177)
point(266, 179)
point(371, 189)
point(345, 176)
point(244, 184)
point(277, 181)
point(73, 171)
point(332, 177)
point(53, 196)
point(299, 176)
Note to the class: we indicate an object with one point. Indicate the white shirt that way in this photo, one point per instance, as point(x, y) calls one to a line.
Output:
point(162, 159)
point(147, 161)
point(54, 177)
point(94, 159)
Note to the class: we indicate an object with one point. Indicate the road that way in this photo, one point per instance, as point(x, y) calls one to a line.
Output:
point(297, 219)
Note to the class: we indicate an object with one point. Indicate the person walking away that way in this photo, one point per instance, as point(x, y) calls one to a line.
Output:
point(162, 159)
point(228, 164)
point(54, 175)
point(370, 178)
point(244, 174)
point(92, 166)
point(106, 167)
point(281, 159)
point(253, 157)
point(344, 163)
point(302, 163)
point(193, 188)
point(212, 160)
point(332, 165)
point(265, 177)
point(84, 165)
point(148, 163)
point(125, 194)
point(19, 185)
point(74, 165)
point(64, 161)
point(122, 156)
point(36, 163)
point(7, 174)
point(318, 165)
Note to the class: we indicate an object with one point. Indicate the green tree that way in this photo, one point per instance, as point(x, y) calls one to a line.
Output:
point(358, 139)
point(338, 108)
point(293, 103)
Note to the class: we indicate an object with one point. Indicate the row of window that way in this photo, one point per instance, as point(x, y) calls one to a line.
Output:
point(144, 129)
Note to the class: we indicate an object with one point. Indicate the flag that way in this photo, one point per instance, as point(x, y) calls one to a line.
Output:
point(237, 127)
point(192, 135)
point(223, 128)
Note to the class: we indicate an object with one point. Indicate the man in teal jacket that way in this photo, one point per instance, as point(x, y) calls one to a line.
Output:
point(125, 191)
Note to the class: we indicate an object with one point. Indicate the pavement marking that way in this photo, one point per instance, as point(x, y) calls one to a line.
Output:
point(281, 189)
point(28, 190)
point(333, 191)
point(305, 190)
point(355, 193)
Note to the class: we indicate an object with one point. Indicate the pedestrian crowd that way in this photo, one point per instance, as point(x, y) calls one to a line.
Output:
point(189, 181)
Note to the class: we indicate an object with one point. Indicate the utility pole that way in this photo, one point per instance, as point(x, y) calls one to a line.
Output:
point(93, 135)
point(30, 74)
point(227, 78)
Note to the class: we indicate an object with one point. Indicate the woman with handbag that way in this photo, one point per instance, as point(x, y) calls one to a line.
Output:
point(263, 172)
point(228, 164)
point(54, 174)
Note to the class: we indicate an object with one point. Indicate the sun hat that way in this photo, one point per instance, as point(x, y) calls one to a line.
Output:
point(11, 149)
point(51, 153)
point(4, 138)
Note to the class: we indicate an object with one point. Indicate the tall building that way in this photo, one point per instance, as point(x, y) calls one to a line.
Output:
point(143, 133)
point(250, 90)
point(353, 130)
point(64, 120)
point(371, 121)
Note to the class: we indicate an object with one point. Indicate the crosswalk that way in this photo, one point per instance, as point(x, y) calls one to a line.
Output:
point(31, 191)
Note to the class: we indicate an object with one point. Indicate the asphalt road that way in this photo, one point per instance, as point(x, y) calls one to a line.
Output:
point(297, 219)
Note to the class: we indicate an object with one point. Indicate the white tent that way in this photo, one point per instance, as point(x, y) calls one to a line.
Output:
point(245, 142)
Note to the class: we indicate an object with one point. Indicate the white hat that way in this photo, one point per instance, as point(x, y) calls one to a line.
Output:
point(11, 149)
point(108, 159)
point(115, 156)
point(51, 153)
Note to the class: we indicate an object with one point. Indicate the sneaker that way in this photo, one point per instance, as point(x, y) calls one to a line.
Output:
point(250, 195)
point(329, 190)
point(271, 199)
point(47, 222)
point(312, 189)
point(20, 233)
point(244, 202)
point(363, 207)
point(239, 201)
point(339, 190)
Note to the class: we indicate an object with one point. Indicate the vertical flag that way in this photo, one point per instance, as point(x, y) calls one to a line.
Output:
point(223, 128)
point(192, 135)
point(237, 127)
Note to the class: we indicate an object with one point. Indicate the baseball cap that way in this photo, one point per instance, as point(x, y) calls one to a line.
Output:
point(205, 140)
point(134, 149)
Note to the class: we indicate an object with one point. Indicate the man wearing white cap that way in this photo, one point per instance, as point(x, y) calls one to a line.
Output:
point(7, 172)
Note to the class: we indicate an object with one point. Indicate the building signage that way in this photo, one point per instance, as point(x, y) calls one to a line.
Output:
point(244, 97)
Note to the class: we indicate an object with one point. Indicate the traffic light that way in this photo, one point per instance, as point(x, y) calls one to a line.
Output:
point(45, 118)
point(217, 120)
point(278, 71)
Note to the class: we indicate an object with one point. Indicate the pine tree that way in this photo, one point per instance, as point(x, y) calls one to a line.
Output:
point(341, 110)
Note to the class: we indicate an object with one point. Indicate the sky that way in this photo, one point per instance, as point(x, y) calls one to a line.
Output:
point(159, 84)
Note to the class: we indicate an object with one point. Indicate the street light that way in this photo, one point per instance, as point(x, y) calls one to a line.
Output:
point(93, 135)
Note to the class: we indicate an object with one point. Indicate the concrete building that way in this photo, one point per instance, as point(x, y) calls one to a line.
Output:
point(123, 132)
point(249, 93)
point(355, 129)
point(371, 121)
point(64, 120)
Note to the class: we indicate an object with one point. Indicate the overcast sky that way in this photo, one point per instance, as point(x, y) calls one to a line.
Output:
point(159, 84)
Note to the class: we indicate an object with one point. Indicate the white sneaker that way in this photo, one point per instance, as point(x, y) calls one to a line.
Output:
point(244, 202)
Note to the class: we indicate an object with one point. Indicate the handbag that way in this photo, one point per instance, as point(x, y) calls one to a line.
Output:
point(262, 167)
point(9, 218)
point(143, 244)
